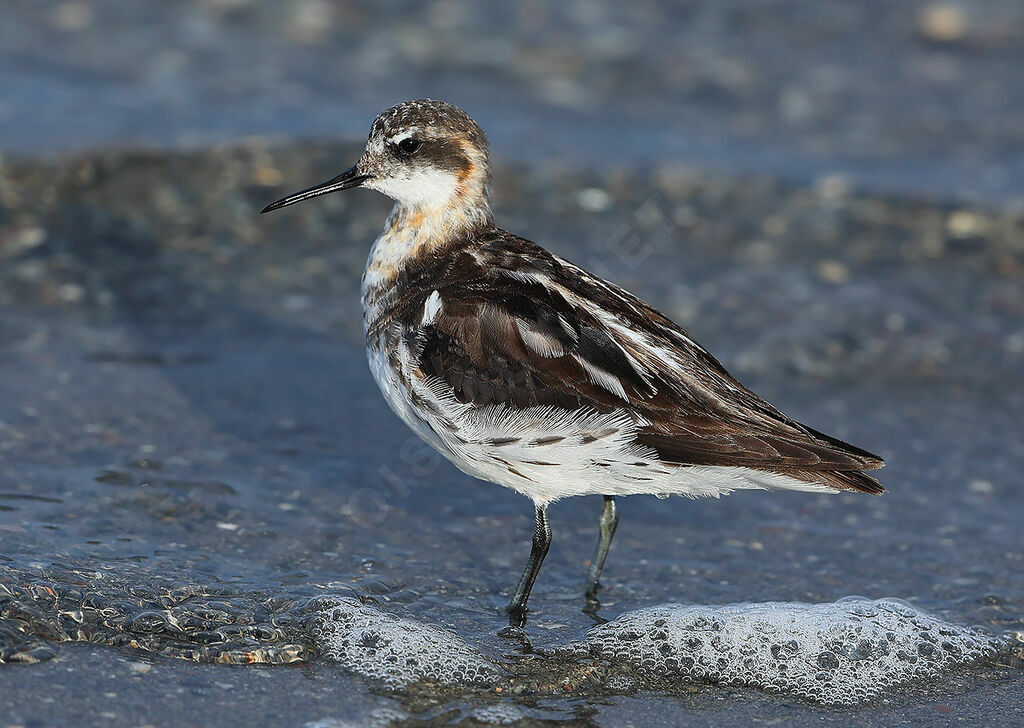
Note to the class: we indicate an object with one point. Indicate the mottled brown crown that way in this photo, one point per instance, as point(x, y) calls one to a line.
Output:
point(438, 118)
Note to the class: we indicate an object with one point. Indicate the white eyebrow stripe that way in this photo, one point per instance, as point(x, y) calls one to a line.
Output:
point(403, 135)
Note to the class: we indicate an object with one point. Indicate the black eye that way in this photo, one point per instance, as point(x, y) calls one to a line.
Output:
point(408, 145)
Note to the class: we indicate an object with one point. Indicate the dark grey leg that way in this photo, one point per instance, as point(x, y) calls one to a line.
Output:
point(541, 543)
point(609, 520)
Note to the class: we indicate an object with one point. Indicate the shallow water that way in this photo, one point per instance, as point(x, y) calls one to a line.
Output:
point(788, 87)
point(193, 450)
point(204, 502)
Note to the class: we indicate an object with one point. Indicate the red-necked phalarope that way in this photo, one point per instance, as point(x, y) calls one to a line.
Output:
point(527, 371)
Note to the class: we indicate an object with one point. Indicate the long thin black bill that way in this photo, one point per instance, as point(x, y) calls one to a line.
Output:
point(347, 179)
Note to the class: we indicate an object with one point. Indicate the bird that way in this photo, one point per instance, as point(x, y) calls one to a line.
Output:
point(529, 372)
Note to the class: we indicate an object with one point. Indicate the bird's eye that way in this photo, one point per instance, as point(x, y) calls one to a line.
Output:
point(408, 145)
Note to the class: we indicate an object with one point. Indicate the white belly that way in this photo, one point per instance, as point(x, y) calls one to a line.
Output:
point(548, 453)
point(396, 394)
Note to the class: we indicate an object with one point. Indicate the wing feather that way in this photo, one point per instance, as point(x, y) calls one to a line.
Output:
point(519, 326)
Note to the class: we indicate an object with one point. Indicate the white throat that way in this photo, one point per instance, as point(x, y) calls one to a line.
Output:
point(432, 208)
point(421, 189)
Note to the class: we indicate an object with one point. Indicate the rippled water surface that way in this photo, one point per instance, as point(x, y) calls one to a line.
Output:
point(209, 516)
point(904, 95)
point(197, 467)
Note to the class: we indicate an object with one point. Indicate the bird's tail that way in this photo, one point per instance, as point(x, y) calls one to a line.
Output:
point(850, 480)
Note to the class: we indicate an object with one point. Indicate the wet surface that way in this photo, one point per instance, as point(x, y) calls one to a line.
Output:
point(204, 501)
point(192, 448)
point(912, 95)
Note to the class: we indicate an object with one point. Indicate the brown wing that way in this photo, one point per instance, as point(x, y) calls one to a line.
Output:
point(520, 327)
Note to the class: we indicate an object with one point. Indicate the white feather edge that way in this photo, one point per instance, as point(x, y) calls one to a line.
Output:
point(610, 464)
point(541, 343)
point(431, 308)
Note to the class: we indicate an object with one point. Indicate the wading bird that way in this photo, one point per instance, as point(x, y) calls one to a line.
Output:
point(527, 371)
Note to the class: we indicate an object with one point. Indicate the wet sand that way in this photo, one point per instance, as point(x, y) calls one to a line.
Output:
point(191, 446)
point(189, 414)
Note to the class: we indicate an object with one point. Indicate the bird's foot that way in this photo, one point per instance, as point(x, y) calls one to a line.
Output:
point(518, 637)
point(516, 615)
point(592, 606)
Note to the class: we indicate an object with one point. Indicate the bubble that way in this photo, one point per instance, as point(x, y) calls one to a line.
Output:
point(841, 653)
point(396, 651)
point(498, 714)
point(379, 718)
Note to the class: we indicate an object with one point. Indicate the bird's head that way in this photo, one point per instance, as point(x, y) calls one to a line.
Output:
point(429, 156)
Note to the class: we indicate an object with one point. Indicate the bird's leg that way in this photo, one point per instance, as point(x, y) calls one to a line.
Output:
point(609, 520)
point(541, 543)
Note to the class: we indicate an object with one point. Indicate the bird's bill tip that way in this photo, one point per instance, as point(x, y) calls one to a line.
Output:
point(346, 180)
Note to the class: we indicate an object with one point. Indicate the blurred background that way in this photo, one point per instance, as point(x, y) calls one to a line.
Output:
point(829, 195)
point(912, 94)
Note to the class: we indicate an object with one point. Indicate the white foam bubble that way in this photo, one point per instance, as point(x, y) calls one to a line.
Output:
point(498, 714)
point(842, 653)
point(396, 651)
point(379, 718)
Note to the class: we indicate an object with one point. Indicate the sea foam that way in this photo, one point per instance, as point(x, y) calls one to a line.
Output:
point(396, 651)
point(839, 653)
